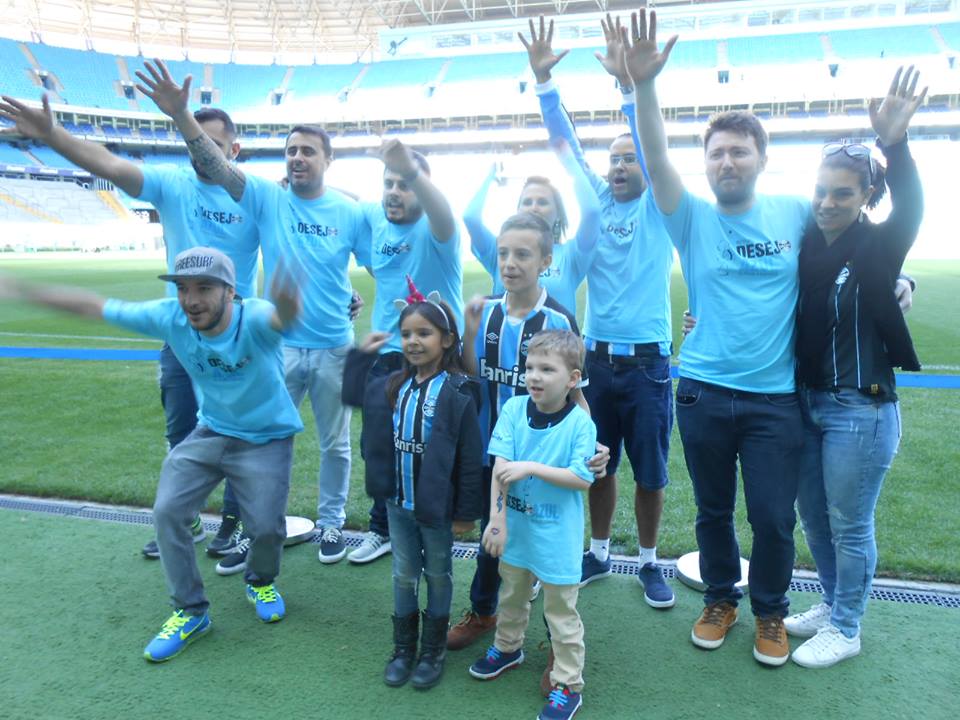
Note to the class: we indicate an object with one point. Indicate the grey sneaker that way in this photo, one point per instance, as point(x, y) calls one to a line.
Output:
point(236, 561)
point(332, 547)
point(228, 536)
point(151, 551)
point(373, 546)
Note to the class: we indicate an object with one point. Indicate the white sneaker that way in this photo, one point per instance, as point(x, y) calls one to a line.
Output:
point(809, 623)
point(535, 589)
point(828, 647)
point(373, 546)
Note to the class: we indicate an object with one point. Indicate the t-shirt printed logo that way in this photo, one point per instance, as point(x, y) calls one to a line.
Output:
point(315, 229)
point(429, 407)
point(389, 250)
point(505, 376)
point(219, 364)
point(407, 446)
point(843, 276)
point(492, 337)
point(218, 216)
point(621, 232)
point(551, 272)
point(764, 249)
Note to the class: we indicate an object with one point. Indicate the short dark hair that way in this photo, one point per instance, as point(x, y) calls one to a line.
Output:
point(868, 171)
point(316, 131)
point(740, 122)
point(531, 221)
point(211, 113)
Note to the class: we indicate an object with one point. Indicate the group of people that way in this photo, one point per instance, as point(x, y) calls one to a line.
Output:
point(497, 409)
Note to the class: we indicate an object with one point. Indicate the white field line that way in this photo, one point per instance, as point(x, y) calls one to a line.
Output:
point(51, 336)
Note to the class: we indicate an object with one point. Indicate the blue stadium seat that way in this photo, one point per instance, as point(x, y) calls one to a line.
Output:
point(888, 42)
point(246, 86)
point(471, 68)
point(396, 73)
point(89, 79)
point(15, 72)
point(774, 49)
point(11, 155)
point(310, 80)
point(951, 35)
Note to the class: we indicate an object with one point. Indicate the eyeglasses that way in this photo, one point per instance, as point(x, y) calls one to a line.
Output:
point(622, 160)
point(856, 151)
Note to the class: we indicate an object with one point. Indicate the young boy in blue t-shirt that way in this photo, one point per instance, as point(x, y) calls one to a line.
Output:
point(541, 444)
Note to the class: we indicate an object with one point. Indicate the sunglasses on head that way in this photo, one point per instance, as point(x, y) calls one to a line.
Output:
point(851, 150)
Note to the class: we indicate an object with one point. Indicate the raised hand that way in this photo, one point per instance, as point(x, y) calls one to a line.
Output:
point(172, 99)
point(644, 62)
point(34, 123)
point(374, 341)
point(612, 61)
point(891, 116)
point(397, 158)
point(540, 50)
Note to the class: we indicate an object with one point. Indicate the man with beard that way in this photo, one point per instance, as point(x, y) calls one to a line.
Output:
point(314, 230)
point(193, 211)
point(245, 428)
point(736, 399)
point(414, 235)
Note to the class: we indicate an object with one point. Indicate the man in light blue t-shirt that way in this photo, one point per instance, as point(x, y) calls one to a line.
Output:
point(232, 349)
point(193, 211)
point(314, 230)
point(627, 328)
point(414, 234)
point(736, 399)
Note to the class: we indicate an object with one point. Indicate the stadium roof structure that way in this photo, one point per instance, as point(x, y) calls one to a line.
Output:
point(269, 26)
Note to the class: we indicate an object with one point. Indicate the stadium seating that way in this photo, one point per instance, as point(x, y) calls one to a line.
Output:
point(11, 155)
point(50, 158)
point(951, 35)
point(773, 49)
point(246, 86)
point(883, 42)
point(90, 79)
point(311, 80)
point(15, 71)
point(400, 73)
point(46, 200)
point(474, 68)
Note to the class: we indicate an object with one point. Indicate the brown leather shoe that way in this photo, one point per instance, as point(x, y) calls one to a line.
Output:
point(545, 685)
point(470, 627)
point(712, 626)
point(771, 646)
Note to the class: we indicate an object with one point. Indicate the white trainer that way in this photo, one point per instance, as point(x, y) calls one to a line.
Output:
point(535, 589)
point(807, 624)
point(373, 546)
point(828, 647)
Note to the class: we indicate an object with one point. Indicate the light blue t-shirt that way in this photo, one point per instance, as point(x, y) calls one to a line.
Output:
point(628, 298)
point(194, 213)
point(741, 273)
point(545, 521)
point(410, 249)
point(313, 239)
point(238, 374)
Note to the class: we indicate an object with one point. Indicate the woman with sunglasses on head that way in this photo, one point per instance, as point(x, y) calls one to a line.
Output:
point(850, 335)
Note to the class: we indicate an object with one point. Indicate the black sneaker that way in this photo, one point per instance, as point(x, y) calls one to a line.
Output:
point(332, 547)
point(151, 551)
point(236, 561)
point(228, 536)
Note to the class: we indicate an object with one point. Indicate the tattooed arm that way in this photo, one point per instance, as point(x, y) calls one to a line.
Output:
point(495, 536)
point(172, 99)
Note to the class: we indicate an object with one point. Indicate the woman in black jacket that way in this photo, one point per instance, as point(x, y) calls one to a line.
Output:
point(851, 334)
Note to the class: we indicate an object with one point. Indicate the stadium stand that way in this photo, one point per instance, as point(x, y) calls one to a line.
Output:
point(906, 41)
point(320, 80)
point(950, 32)
point(474, 68)
point(11, 155)
point(15, 71)
point(246, 86)
point(62, 201)
point(401, 73)
point(49, 157)
point(88, 78)
point(773, 49)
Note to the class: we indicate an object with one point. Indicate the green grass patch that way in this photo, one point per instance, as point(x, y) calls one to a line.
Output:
point(94, 430)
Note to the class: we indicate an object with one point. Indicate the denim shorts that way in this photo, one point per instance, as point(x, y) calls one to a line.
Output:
point(631, 402)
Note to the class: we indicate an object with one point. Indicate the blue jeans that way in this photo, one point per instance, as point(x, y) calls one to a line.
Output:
point(420, 550)
point(319, 372)
point(180, 408)
point(849, 443)
point(631, 403)
point(719, 426)
point(261, 478)
point(485, 586)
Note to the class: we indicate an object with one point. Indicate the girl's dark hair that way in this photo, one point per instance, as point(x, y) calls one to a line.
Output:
point(560, 229)
point(441, 318)
point(868, 171)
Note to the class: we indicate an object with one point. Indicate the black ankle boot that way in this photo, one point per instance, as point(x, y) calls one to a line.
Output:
point(433, 651)
point(404, 655)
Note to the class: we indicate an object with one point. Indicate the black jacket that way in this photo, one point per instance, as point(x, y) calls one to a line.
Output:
point(449, 486)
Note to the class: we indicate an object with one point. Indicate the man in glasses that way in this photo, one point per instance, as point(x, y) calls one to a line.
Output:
point(736, 399)
point(627, 330)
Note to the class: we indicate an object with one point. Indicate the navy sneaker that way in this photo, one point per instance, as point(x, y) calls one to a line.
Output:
point(562, 704)
point(655, 589)
point(177, 632)
point(495, 662)
point(228, 537)
point(592, 569)
point(152, 552)
point(270, 607)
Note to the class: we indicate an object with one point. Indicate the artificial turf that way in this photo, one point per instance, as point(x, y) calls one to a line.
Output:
point(80, 604)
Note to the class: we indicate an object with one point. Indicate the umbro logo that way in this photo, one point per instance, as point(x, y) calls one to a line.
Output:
point(492, 337)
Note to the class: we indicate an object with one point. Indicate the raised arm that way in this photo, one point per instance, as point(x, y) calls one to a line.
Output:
point(483, 243)
point(472, 314)
point(644, 62)
point(67, 299)
point(172, 100)
point(38, 124)
point(890, 118)
point(588, 232)
point(398, 158)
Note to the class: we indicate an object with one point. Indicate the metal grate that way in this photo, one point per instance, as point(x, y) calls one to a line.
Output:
point(461, 551)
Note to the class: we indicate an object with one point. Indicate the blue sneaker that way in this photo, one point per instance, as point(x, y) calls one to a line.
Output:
point(495, 662)
point(270, 607)
point(655, 589)
point(592, 569)
point(562, 704)
point(177, 632)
